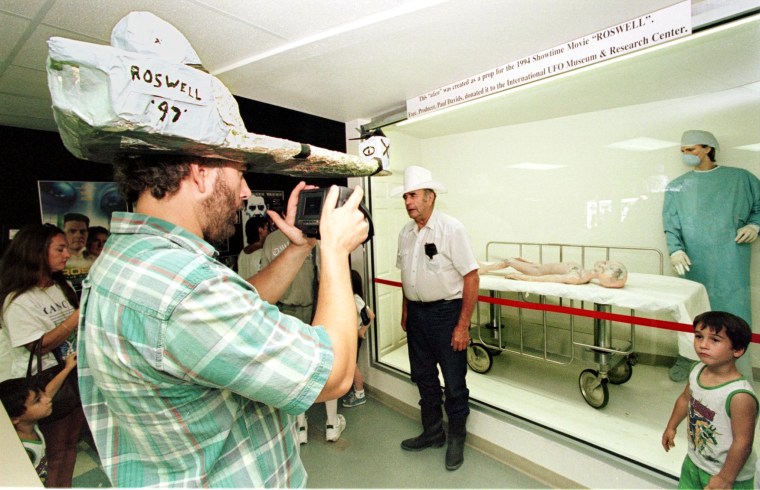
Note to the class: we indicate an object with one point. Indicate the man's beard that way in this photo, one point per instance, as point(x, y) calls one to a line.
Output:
point(221, 213)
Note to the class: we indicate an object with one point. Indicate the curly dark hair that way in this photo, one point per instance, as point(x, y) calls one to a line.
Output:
point(160, 174)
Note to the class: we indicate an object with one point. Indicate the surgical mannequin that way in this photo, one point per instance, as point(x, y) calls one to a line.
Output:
point(608, 273)
point(711, 215)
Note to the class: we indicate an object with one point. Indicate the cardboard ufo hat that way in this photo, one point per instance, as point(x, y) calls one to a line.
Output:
point(148, 93)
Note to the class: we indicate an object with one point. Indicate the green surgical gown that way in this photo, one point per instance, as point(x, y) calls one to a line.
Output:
point(701, 214)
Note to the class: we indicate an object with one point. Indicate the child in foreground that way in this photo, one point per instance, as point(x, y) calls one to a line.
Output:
point(721, 408)
point(27, 405)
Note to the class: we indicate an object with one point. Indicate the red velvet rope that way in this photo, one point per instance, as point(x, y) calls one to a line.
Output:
point(636, 320)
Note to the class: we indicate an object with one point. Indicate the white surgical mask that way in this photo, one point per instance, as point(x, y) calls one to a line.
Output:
point(690, 160)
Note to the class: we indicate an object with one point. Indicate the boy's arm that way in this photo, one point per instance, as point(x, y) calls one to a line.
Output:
point(680, 409)
point(743, 412)
point(55, 384)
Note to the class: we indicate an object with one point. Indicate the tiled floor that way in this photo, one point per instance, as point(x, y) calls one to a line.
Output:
point(630, 425)
point(87, 472)
point(367, 455)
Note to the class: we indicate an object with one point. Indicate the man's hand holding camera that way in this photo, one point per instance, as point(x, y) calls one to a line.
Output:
point(342, 228)
point(287, 225)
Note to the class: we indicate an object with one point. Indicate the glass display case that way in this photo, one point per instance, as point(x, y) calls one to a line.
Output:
point(582, 160)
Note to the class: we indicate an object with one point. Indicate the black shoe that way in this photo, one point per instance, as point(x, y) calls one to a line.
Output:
point(455, 453)
point(432, 437)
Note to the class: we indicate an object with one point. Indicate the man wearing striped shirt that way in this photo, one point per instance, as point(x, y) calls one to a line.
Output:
point(189, 375)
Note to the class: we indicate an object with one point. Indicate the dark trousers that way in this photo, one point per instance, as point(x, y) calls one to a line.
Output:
point(428, 329)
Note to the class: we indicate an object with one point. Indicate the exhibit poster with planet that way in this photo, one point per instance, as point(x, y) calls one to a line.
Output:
point(96, 200)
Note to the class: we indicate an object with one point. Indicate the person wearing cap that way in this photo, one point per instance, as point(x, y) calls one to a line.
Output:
point(439, 275)
point(711, 215)
point(189, 374)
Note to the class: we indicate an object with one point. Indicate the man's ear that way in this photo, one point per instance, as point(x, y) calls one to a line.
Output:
point(201, 176)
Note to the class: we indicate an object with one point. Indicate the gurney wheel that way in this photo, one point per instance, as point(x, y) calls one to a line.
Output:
point(593, 388)
point(620, 373)
point(479, 358)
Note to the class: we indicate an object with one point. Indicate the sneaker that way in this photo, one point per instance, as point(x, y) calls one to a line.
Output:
point(303, 433)
point(333, 432)
point(352, 400)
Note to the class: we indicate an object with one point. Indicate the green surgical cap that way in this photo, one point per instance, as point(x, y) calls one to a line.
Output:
point(698, 137)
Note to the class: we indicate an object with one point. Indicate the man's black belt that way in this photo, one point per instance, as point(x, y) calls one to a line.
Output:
point(431, 303)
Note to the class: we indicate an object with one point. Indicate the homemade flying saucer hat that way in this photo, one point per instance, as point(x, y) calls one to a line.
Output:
point(148, 93)
point(416, 178)
point(699, 137)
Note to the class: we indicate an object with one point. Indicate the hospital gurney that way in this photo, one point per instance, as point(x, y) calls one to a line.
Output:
point(677, 298)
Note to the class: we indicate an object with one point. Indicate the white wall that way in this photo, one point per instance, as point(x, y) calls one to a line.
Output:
point(600, 195)
point(15, 466)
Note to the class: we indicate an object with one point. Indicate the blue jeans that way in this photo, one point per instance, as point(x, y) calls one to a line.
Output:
point(428, 329)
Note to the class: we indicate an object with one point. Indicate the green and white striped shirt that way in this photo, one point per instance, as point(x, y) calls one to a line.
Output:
point(188, 378)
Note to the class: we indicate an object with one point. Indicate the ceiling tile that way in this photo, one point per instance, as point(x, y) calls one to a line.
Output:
point(19, 80)
point(13, 28)
point(25, 8)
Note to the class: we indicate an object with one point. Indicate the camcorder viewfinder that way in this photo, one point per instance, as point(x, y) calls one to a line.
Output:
point(309, 210)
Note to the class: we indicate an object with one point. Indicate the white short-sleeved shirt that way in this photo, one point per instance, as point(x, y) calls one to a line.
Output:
point(709, 424)
point(249, 264)
point(28, 317)
point(36, 451)
point(359, 302)
point(440, 277)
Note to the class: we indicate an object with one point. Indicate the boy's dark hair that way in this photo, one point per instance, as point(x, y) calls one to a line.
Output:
point(252, 226)
point(356, 283)
point(13, 395)
point(96, 230)
point(737, 330)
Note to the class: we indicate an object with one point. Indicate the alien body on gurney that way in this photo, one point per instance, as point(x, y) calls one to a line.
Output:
point(607, 273)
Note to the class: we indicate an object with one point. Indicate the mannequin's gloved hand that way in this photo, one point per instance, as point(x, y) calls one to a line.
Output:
point(680, 262)
point(747, 234)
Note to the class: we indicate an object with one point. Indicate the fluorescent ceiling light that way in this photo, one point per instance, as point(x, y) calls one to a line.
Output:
point(360, 23)
point(535, 166)
point(754, 147)
point(642, 144)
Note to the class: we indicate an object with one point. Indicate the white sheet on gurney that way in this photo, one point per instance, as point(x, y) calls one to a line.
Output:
point(680, 298)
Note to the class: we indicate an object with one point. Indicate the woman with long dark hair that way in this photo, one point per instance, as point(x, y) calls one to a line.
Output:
point(36, 303)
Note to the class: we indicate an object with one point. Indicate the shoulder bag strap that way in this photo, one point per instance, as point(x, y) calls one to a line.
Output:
point(36, 349)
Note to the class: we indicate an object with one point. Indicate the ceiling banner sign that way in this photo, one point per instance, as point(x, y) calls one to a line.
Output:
point(643, 32)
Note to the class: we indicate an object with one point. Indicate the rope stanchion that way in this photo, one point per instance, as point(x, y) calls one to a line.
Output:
point(615, 317)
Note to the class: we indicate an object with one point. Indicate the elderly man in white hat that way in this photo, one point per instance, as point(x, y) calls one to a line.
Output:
point(439, 273)
point(711, 215)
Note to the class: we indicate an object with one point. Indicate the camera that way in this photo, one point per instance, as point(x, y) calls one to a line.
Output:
point(309, 210)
